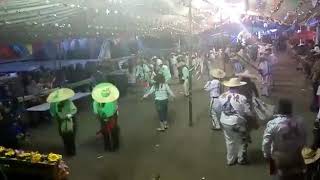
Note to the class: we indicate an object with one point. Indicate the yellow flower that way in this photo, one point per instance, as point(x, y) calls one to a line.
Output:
point(10, 152)
point(54, 157)
point(36, 157)
point(2, 149)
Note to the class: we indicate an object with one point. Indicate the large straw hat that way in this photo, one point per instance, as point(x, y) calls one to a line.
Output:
point(234, 82)
point(60, 95)
point(310, 156)
point(218, 73)
point(246, 74)
point(105, 92)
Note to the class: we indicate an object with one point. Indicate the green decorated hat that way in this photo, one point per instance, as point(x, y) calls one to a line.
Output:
point(60, 95)
point(105, 92)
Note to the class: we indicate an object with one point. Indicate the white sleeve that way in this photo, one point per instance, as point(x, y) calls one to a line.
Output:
point(207, 87)
point(152, 90)
point(267, 140)
point(318, 115)
point(318, 91)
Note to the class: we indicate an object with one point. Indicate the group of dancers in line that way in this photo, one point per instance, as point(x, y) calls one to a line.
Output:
point(230, 111)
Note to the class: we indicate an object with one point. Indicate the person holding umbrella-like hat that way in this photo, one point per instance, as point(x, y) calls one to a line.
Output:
point(234, 109)
point(63, 110)
point(214, 89)
point(105, 106)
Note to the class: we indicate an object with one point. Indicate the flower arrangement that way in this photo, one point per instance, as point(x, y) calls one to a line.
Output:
point(36, 157)
point(54, 157)
point(33, 157)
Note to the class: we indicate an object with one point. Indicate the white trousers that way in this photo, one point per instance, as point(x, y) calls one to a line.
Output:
point(186, 87)
point(236, 146)
point(266, 83)
point(175, 71)
point(214, 114)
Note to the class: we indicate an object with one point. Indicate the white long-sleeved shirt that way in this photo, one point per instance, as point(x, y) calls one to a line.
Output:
point(265, 68)
point(162, 93)
point(239, 104)
point(185, 73)
point(213, 87)
point(283, 134)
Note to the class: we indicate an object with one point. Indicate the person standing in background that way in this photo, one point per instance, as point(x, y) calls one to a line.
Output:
point(164, 70)
point(185, 78)
point(265, 72)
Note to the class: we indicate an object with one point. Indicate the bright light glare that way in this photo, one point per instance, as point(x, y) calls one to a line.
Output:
point(232, 11)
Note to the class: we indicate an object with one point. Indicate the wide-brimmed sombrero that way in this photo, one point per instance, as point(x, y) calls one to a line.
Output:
point(246, 74)
point(60, 95)
point(234, 82)
point(105, 92)
point(217, 73)
point(310, 156)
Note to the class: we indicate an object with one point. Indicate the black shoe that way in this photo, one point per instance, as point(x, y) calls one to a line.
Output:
point(216, 129)
point(232, 163)
point(243, 162)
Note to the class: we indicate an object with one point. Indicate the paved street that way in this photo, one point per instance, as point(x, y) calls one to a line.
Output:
point(181, 153)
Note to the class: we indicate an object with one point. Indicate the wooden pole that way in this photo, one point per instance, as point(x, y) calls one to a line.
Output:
point(190, 64)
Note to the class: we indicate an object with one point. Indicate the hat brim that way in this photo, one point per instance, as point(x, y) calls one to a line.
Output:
point(97, 91)
point(215, 74)
point(312, 159)
point(228, 84)
point(60, 95)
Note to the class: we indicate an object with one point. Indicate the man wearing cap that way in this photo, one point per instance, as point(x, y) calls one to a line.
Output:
point(214, 89)
point(105, 107)
point(234, 109)
point(63, 110)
